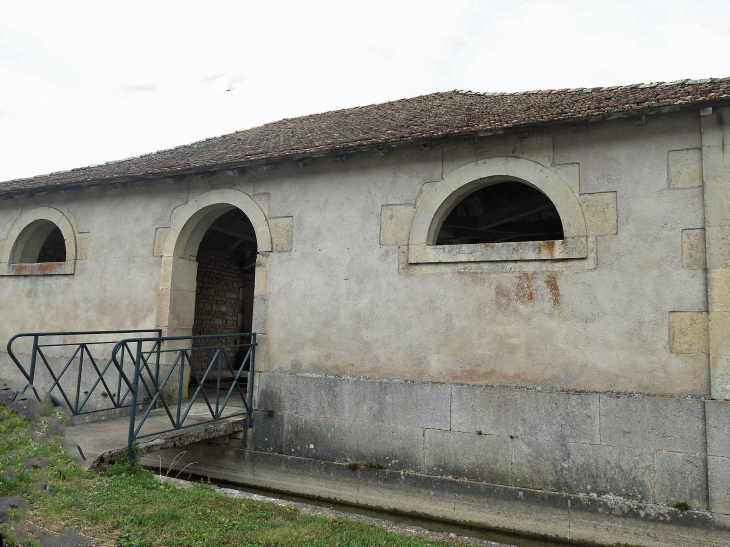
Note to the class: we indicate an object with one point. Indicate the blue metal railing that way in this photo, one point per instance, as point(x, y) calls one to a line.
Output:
point(79, 350)
point(233, 360)
point(180, 358)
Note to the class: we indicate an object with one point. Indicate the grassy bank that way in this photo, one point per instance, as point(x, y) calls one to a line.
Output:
point(127, 507)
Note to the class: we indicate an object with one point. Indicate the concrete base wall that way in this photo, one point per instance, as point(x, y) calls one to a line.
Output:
point(649, 449)
point(580, 519)
point(591, 467)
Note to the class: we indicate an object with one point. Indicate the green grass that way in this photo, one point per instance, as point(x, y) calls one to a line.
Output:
point(126, 507)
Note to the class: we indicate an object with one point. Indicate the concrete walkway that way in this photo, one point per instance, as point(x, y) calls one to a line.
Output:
point(100, 442)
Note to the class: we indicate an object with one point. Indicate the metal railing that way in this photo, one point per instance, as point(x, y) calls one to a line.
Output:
point(178, 360)
point(79, 351)
point(158, 372)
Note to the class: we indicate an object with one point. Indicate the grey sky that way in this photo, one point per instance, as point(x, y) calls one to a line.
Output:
point(87, 82)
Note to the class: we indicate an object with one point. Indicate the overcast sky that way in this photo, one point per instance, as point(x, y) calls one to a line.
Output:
point(86, 82)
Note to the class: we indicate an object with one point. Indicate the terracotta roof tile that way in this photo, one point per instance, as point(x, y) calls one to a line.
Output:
point(451, 113)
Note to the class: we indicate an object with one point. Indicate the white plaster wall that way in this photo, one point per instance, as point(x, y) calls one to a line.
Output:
point(115, 288)
point(337, 303)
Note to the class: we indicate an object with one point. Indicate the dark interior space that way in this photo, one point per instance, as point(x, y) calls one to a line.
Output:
point(54, 248)
point(502, 212)
point(224, 290)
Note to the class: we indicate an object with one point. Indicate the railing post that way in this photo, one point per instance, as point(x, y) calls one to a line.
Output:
point(218, 383)
point(32, 368)
point(157, 362)
point(133, 414)
point(32, 359)
point(180, 385)
point(78, 378)
point(251, 369)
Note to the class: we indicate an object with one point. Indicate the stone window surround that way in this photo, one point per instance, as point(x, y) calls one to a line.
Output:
point(21, 234)
point(439, 200)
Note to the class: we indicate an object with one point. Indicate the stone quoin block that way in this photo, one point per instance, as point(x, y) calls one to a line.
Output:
point(693, 249)
point(718, 246)
point(600, 213)
point(684, 168)
point(655, 423)
point(525, 413)
point(688, 332)
point(282, 233)
point(395, 224)
point(719, 285)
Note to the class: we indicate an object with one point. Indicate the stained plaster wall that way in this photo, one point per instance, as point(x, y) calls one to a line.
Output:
point(600, 323)
point(355, 337)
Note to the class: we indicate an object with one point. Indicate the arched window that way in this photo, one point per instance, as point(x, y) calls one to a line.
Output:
point(502, 212)
point(500, 209)
point(40, 241)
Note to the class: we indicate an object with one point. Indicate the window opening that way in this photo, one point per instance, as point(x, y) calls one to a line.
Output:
point(53, 248)
point(503, 212)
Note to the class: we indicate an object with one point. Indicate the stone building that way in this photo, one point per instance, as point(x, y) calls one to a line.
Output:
point(517, 303)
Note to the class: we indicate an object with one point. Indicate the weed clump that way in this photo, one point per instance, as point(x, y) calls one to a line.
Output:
point(373, 465)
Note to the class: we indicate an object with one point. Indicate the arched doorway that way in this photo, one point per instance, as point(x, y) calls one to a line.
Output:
point(219, 230)
point(224, 289)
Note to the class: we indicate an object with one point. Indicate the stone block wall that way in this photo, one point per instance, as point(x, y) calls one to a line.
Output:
point(218, 302)
point(647, 449)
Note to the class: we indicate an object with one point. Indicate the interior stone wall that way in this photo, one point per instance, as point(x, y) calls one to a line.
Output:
point(218, 302)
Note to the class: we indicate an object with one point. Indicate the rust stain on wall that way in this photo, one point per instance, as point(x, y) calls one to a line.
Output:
point(524, 289)
point(20, 268)
point(46, 267)
point(552, 284)
point(502, 297)
point(547, 247)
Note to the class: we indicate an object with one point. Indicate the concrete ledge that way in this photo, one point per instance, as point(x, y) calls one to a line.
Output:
point(587, 520)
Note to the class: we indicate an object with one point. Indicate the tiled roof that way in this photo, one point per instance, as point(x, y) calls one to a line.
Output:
point(426, 117)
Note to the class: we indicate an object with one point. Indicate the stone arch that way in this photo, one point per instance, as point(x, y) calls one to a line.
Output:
point(445, 194)
point(27, 235)
point(188, 225)
point(189, 222)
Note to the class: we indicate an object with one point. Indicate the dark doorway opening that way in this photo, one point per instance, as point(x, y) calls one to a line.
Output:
point(502, 212)
point(224, 290)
